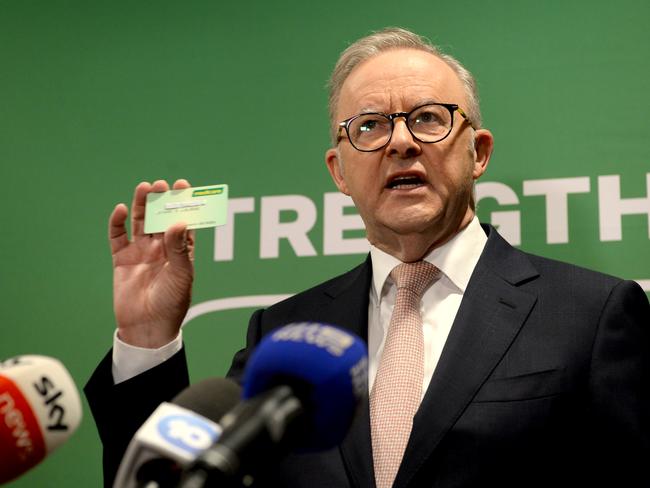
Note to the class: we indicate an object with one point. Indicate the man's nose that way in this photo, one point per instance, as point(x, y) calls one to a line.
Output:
point(402, 143)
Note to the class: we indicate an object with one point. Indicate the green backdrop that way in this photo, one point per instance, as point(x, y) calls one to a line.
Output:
point(96, 96)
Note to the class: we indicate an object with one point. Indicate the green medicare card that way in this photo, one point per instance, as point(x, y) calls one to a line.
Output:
point(204, 206)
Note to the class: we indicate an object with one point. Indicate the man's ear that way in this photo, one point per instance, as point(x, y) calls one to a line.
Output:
point(483, 146)
point(335, 167)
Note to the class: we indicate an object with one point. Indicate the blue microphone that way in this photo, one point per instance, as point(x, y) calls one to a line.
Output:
point(327, 368)
point(302, 385)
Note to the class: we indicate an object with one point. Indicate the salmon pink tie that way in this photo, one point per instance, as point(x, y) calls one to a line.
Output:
point(397, 391)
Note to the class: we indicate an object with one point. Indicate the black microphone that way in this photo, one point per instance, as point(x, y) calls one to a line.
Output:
point(175, 434)
point(301, 388)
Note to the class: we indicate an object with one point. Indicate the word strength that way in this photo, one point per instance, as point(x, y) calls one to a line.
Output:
point(292, 218)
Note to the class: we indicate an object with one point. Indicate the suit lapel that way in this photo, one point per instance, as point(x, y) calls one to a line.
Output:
point(346, 301)
point(492, 311)
point(348, 307)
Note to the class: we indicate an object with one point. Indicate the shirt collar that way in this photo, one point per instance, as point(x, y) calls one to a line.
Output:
point(456, 258)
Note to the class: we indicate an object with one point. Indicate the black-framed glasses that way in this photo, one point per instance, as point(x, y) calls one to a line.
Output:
point(428, 123)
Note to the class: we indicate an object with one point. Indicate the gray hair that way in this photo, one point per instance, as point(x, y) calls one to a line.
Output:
point(395, 38)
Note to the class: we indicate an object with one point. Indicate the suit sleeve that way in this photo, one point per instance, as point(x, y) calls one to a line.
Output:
point(119, 410)
point(619, 388)
point(253, 337)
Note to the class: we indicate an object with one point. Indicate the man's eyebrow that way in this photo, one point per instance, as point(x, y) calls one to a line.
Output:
point(422, 102)
point(419, 103)
point(427, 101)
point(368, 110)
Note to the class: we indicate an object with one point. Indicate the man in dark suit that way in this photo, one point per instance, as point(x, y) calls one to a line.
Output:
point(533, 372)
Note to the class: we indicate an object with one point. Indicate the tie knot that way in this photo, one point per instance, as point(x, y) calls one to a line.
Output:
point(415, 277)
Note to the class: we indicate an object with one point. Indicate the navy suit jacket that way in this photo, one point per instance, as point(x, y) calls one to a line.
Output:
point(544, 381)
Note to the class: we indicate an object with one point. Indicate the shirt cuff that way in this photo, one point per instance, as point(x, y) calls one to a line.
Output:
point(130, 361)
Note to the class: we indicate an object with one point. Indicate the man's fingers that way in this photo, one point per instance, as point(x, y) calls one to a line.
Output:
point(181, 184)
point(190, 237)
point(117, 236)
point(140, 202)
point(137, 209)
point(138, 206)
point(179, 246)
point(159, 186)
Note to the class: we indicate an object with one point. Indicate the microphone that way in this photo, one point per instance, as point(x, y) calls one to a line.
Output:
point(175, 433)
point(40, 408)
point(302, 386)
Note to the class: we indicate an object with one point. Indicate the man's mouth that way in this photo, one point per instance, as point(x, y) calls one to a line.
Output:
point(405, 182)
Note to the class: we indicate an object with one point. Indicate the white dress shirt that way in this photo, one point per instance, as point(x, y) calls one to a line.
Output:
point(130, 361)
point(456, 259)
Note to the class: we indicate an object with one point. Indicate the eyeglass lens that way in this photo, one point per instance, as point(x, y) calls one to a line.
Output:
point(429, 123)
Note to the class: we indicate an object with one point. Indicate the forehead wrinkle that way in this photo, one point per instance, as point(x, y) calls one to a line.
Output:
point(392, 96)
point(407, 107)
point(378, 85)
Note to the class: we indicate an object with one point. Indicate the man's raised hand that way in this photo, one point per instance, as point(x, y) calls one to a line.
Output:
point(152, 273)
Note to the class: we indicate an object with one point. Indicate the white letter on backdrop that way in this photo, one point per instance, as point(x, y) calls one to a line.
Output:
point(224, 235)
point(335, 221)
point(612, 207)
point(272, 230)
point(556, 191)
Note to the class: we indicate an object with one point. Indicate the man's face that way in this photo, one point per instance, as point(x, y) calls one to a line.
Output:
point(436, 203)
